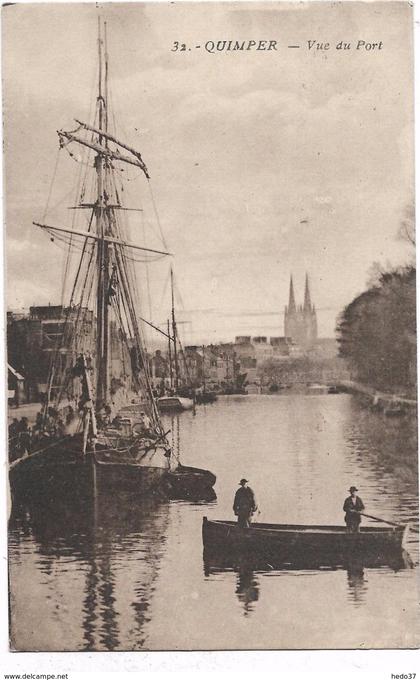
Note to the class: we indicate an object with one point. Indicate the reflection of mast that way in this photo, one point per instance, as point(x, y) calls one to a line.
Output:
point(176, 436)
point(100, 621)
point(114, 573)
point(90, 601)
point(109, 635)
point(90, 607)
point(174, 334)
point(100, 584)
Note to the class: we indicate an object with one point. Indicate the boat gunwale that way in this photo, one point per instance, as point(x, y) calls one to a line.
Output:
point(306, 529)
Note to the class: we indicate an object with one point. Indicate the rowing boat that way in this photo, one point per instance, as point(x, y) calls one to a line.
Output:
point(191, 483)
point(175, 403)
point(288, 544)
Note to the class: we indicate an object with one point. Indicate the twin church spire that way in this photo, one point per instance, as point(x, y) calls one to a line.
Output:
point(300, 323)
point(307, 304)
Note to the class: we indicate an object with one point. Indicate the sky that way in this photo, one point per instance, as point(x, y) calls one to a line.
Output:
point(263, 164)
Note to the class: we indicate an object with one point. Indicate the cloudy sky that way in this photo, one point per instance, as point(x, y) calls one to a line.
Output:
point(263, 163)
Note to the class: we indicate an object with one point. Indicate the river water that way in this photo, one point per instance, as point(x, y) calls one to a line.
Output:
point(118, 575)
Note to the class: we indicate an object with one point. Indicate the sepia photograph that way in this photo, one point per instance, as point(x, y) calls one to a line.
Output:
point(210, 286)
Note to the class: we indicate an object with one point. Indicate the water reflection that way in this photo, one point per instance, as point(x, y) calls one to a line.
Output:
point(99, 606)
point(388, 445)
point(175, 435)
point(112, 551)
point(357, 584)
point(247, 588)
point(111, 574)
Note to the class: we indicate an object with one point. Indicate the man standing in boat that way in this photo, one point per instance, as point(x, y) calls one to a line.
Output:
point(353, 506)
point(244, 504)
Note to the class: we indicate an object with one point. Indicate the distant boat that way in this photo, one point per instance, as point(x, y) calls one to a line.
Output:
point(174, 403)
point(253, 388)
point(318, 389)
point(394, 408)
point(206, 397)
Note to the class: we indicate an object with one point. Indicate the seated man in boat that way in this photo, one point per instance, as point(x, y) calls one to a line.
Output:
point(244, 504)
point(353, 506)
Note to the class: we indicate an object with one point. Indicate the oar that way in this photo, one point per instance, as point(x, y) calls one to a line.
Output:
point(379, 519)
point(385, 521)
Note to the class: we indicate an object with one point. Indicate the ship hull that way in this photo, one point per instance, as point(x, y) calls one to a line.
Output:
point(141, 470)
point(142, 480)
point(50, 474)
point(61, 471)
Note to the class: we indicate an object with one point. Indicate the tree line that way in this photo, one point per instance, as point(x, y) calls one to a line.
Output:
point(376, 333)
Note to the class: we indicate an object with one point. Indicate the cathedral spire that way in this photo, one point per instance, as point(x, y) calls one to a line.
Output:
point(292, 303)
point(307, 304)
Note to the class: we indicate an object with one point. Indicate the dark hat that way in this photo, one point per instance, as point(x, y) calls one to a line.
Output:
point(243, 481)
point(353, 488)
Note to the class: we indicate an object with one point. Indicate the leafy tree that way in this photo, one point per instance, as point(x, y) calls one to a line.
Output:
point(376, 332)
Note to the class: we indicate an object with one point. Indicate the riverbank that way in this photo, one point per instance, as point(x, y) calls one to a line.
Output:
point(389, 404)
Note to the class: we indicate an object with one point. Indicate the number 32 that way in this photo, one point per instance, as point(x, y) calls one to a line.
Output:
point(181, 47)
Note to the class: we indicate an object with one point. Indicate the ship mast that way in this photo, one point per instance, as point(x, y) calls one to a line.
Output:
point(102, 230)
point(170, 358)
point(174, 334)
point(204, 369)
point(109, 259)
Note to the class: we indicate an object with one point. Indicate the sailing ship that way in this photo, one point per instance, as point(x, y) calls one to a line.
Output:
point(183, 394)
point(204, 395)
point(100, 425)
point(179, 398)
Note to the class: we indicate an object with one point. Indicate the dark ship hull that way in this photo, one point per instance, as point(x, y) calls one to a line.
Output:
point(62, 471)
point(206, 397)
point(191, 483)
